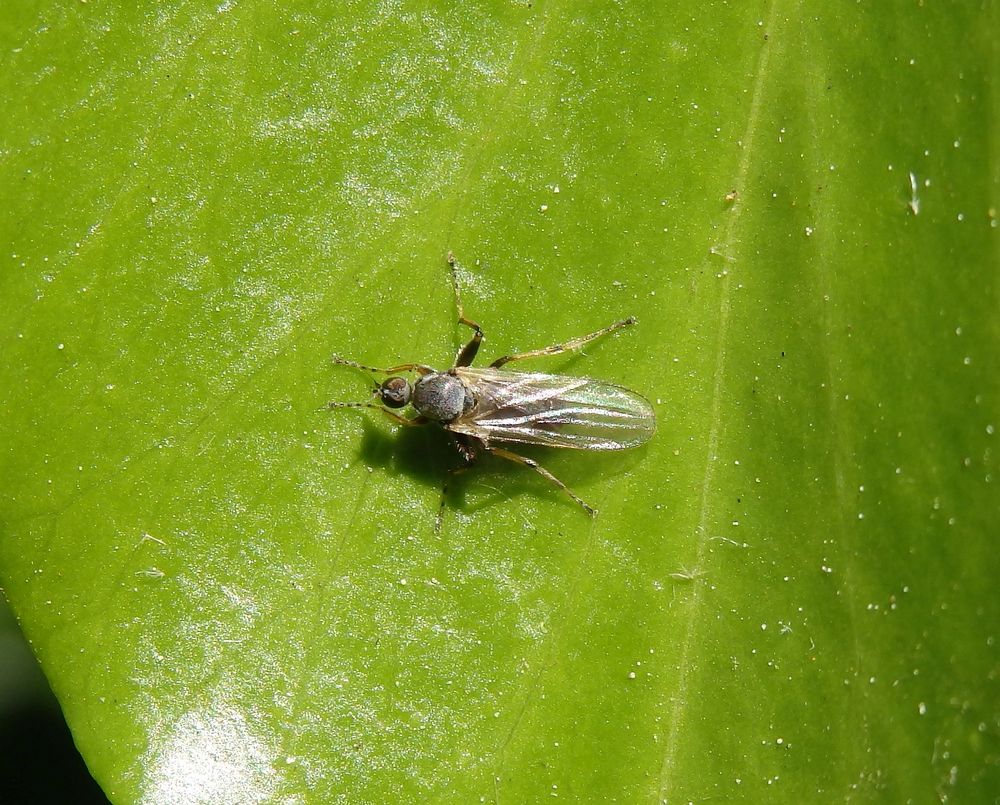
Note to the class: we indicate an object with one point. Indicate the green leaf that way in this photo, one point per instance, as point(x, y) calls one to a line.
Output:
point(790, 594)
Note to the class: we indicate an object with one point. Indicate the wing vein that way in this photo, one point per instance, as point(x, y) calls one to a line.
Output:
point(554, 410)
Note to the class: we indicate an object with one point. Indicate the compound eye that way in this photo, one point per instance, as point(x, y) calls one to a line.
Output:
point(395, 392)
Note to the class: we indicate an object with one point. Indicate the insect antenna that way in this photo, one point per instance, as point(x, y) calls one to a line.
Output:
point(338, 404)
point(402, 420)
point(338, 361)
point(392, 370)
point(331, 405)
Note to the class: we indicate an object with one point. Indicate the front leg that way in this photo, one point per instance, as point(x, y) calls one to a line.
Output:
point(467, 353)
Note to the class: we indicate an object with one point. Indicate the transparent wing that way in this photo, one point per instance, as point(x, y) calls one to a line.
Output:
point(554, 410)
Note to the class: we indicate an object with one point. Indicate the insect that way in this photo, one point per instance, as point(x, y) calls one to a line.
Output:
point(481, 407)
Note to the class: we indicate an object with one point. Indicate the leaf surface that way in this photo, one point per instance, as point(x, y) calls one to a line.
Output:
point(788, 595)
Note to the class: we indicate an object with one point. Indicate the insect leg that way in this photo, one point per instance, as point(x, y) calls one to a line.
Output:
point(555, 349)
point(468, 449)
point(527, 462)
point(467, 353)
point(403, 367)
point(402, 420)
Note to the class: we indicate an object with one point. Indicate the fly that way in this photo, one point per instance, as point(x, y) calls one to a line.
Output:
point(480, 407)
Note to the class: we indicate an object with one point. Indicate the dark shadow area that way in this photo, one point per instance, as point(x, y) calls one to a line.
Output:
point(425, 454)
point(39, 762)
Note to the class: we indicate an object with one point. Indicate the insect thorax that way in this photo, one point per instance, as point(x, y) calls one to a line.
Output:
point(442, 397)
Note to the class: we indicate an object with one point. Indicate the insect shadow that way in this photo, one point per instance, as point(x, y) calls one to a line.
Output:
point(422, 455)
point(414, 452)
